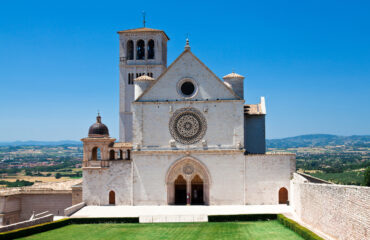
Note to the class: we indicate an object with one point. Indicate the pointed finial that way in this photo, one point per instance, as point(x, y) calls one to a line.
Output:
point(144, 18)
point(98, 118)
point(187, 46)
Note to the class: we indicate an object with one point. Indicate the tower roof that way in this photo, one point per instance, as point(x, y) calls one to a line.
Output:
point(144, 78)
point(98, 129)
point(144, 29)
point(233, 76)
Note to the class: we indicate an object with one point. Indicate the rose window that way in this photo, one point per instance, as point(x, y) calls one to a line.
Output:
point(188, 126)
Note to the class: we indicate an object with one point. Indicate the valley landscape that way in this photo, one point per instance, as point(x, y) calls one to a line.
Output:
point(337, 159)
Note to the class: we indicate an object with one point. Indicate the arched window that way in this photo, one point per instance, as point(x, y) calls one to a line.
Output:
point(151, 49)
point(130, 50)
point(95, 155)
point(112, 197)
point(111, 155)
point(140, 50)
point(283, 196)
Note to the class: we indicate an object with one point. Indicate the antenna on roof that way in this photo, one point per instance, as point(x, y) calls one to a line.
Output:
point(144, 18)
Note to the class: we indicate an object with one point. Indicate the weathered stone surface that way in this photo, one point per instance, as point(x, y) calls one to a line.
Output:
point(342, 212)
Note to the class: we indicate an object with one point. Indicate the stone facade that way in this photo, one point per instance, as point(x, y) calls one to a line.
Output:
point(342, 212)
point(192, 138)
point(229, 178)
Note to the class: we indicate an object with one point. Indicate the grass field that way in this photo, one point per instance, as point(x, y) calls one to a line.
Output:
point(258, 230)
point(354, 177)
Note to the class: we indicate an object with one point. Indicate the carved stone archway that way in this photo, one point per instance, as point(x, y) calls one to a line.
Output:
point(188, 167)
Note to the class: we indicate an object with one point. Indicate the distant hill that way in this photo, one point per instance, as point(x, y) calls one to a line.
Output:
point(311, 140)
point(319, 140)
point(40, 143)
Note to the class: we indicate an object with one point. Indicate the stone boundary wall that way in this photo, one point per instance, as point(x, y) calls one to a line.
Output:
point(28, 223)
point(72, 209)
point(340, 211)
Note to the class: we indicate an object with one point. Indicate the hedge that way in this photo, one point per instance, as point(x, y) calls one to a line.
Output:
point(23, 232)
point(300, 230)
point(242, 217)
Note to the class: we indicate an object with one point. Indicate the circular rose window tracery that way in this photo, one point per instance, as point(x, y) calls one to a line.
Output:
point(187, 125)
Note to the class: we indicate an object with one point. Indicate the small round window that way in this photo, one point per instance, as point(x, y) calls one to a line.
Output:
point(187, 88)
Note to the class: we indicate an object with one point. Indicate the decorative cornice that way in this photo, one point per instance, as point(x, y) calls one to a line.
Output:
point(188, 152)
point(105, 139)
point(188, 101)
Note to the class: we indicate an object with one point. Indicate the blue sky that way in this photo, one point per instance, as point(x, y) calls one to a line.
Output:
point(310, 59)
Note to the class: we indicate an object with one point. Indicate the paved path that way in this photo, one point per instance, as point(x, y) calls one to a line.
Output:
point(137, 211)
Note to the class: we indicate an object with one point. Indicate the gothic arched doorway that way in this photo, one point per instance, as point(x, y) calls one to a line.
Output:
point(197, 191)
point(283, 196)
point(180, 190)
point(112, 198)
point(188, 177)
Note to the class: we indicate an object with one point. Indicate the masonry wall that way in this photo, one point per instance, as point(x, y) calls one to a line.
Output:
point(54, 203)
point(76, 195)
point(265, 175)
point(224, 125)
point(226, 173)
point(342, 212)
point(10, 208)
point(99, 182)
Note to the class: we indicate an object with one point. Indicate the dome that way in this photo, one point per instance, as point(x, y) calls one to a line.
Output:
point(144, 78)
point(98, 129)
point(233, 76)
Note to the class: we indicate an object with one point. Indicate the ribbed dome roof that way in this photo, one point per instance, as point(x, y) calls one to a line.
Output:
point(144, 78)
point(98, 129)
point(233, 75)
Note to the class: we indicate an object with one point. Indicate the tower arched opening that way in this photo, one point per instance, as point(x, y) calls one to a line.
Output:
point(95, 154)
point(140, 50)
point(111, 155)
point(151, 49)
point(130, 50)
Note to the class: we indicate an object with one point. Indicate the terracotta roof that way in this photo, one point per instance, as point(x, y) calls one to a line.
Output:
point(122, 145)
point(233, 75)
point(144, 29)
point(144, 78)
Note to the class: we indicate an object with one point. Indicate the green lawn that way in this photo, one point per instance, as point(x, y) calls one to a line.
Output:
point(263, 230)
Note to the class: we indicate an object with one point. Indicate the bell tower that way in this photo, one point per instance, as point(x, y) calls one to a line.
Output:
point(142, 51)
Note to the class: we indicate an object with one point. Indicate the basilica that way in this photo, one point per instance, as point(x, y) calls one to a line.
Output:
point(186, 136)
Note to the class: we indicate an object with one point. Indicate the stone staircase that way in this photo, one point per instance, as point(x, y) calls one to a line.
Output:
point(173, 218)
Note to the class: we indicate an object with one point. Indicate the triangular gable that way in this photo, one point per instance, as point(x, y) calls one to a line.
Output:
point(187, 65)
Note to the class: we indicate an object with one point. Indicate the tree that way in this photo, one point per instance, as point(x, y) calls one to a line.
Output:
point(58, 175)
point(367, 177)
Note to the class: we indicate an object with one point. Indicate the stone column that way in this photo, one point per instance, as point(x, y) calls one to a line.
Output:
point(188, 191)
